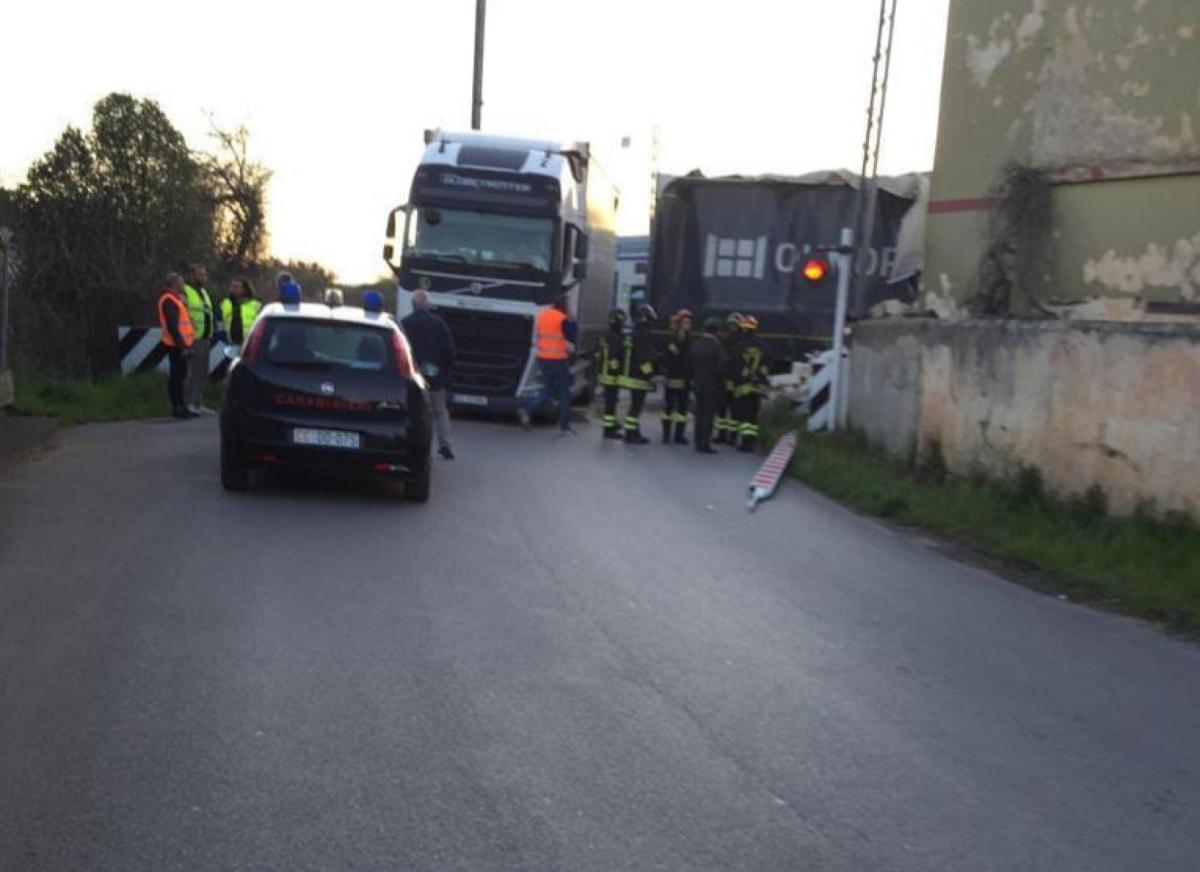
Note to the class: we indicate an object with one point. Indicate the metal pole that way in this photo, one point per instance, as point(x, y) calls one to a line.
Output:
point(861, 200)
point(868, 225)
point(477, 88)
point(845, 262)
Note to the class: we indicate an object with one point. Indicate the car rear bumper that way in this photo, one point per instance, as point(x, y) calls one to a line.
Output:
point(385, 448)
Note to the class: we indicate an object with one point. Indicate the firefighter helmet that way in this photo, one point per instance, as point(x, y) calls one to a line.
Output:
point(646, 313)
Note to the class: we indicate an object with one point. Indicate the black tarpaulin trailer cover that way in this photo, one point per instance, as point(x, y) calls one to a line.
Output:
point(736, 244)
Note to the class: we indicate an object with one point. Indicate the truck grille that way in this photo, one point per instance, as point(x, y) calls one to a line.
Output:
point(492, 351)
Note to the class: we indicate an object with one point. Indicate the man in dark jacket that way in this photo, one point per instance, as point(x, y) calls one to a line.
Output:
point(729, 336)
point(433, 346)
point(708, 368)
point(637, 371)
point(677, 370)
point(610, 361)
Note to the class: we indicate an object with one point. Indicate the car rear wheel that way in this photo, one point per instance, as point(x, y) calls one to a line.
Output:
point(234, 475)
point(416, 489)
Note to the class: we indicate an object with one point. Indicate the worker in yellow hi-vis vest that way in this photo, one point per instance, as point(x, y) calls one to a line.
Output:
point(206, 324)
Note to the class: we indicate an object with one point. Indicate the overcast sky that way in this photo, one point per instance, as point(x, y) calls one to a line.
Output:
point(336, 95)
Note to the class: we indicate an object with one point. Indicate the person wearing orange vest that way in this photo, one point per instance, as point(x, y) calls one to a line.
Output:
point(554, 343)
point(179, 338)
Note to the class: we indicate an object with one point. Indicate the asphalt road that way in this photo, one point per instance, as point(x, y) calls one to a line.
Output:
point(579, 656)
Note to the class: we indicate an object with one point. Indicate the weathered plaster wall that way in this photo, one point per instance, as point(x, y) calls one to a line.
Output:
point(1116, 405)
point(1104, 95)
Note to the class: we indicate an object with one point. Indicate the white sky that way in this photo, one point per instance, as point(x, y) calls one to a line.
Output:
point(336, 95)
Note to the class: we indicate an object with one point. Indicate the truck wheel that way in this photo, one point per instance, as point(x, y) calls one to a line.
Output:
point(416, 489)
point(234, 475)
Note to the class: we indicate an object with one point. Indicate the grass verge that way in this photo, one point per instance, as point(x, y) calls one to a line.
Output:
point(114, 398)
point(1143, 565)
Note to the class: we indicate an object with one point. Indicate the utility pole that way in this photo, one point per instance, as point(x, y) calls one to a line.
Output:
point(477, 89)
point(864, 211)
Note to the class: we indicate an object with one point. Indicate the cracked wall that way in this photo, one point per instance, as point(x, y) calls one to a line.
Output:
point(1116, 405)
point(1105, 97)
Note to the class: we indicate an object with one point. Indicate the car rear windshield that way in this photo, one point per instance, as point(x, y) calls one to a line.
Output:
point(293, 342)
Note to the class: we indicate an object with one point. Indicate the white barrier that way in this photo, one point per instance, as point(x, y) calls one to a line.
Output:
point(142, 350)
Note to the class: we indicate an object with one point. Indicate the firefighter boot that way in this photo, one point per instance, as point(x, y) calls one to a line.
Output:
point(681, 433)
point(666, 425)
point(633, 436)
point(748, 444)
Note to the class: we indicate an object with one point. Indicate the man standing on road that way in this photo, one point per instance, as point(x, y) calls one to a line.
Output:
point(708, 380)
point(179, 338)
point(729, 337)
point(637, 371)
point(751, 385)
point(610, 358)
point(207, 326)
point(240, 309)
point(554, 343)
point(433, 346)
point(677, 370)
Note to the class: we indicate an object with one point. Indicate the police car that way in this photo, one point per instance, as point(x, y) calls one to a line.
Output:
point(328, 387)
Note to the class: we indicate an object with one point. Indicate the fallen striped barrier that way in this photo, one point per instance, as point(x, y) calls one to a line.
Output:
point(766, 480)
point(142, 350)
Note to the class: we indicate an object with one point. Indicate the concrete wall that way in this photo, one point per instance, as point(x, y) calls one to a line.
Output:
point(1104, 96)
point(1112, 404)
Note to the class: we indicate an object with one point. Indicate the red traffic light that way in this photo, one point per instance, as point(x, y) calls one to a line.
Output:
point(815, 269)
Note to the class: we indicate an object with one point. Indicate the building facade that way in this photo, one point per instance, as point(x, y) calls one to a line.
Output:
point(1090, 109)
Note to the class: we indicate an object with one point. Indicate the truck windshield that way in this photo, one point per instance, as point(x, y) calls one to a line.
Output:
point(481, 238)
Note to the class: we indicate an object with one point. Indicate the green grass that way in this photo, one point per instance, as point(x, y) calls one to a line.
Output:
point(1143, 565)
point(114, 398)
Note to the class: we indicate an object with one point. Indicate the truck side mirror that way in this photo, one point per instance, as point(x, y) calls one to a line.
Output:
point(579, 270)
point(389, 246)
point(581, 245)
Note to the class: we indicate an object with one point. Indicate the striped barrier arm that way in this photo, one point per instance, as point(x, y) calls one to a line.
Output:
point(142, 350)
point(766, 480)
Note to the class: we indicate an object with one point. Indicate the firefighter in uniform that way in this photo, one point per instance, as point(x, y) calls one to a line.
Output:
point(636, 371)
point(677, 369)
point(730, 336)
point(751, 384)
point(610, 363)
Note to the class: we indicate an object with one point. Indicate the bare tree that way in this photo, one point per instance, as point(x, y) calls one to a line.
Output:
point(239, 191)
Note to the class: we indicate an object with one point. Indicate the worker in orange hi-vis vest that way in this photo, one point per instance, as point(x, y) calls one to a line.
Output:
point(179, 337)
point(554, 343)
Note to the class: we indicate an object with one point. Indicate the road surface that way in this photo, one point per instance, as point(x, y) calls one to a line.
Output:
point(579, 656)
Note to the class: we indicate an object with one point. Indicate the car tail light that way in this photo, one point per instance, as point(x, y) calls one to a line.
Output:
point(253, 346)
point(404, 360)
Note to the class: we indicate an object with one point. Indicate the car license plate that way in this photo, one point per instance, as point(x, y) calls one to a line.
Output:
point(325, 438)
point(470, 400)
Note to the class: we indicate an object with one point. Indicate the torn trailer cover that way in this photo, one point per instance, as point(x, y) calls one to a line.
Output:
point(738, 244)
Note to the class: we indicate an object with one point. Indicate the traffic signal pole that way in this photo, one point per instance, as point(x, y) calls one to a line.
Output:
point(477, 85)
point(845, 269)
